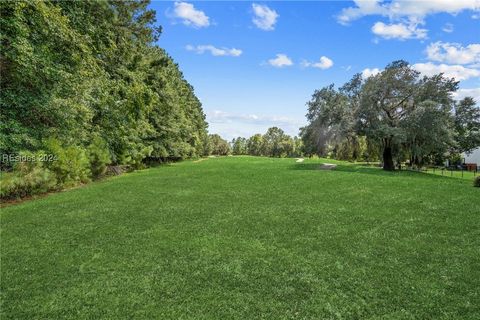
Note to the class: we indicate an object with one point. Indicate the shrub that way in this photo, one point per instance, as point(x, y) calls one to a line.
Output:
point(99, 156)
point(135, 156)
point(71, 165)
point(26, 179)
point(476, 182)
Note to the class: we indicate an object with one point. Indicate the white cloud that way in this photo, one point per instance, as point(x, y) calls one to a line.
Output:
point(324, 63)
point(363, 8)
point(476, 16)
point(264, 17)
point(451, 71)
point(448, 28)
point(404, 15)
point(399, 30)
point(429, 69)
point(454, 53)
point(231, 125)
point(370, 72)
point(189, 15)
point(462, 93)
point(233, 52)
point(398, 9)
point(281, 60)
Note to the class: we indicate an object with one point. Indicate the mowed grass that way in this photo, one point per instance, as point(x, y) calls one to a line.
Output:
point(246, 238)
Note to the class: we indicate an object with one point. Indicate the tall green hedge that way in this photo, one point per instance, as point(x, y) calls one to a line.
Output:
point(77, 71)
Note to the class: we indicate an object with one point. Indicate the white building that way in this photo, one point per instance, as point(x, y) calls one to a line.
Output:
point(473, 157)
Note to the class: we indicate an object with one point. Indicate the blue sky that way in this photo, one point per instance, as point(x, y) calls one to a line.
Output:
point(255, 64)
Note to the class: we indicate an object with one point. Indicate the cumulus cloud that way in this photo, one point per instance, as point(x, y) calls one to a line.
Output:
point(324, 63)
point(264, 17)
point(462, 93)
point(454, 53)
point(190, 16)
point(363, 8)
point(399, 9)
point(451, 71)
point(399, 30)
point(222, 116)
point(429, 69)
point(230, 125)
point(281, 60)
point(233, 52)
point(370, 72)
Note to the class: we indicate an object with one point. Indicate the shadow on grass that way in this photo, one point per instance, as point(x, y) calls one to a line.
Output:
point(364, 169)
point(306, 166)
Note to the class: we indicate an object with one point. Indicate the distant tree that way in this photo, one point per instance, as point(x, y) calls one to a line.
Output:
point(287, 146)
point(255, 144)
point(220, 147)
point(299, 147)
point(239, 146)
point(467, 125)
point(272, 140)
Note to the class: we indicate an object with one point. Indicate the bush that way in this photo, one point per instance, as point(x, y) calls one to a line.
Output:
point(135, 156)
point(99, 156)
point(26, 179)
point(71, 165)
point(476, 182)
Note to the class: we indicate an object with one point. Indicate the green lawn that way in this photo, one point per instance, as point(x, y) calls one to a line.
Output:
point(246, 238)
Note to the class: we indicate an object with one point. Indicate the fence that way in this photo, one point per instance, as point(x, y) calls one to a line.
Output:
point(449, 171)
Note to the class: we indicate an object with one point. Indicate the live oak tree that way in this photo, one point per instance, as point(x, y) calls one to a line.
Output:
point(391, 100)
point(405, 115)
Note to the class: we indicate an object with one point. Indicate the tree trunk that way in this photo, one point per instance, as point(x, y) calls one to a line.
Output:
point(388, 158)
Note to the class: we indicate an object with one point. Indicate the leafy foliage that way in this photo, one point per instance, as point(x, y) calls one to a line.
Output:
point(476, 182)
point(99, 157)
point(254, 145)
point(396, 115)
point(239, 146)
point(88, 75)
point(27, 179)
point(467, 125)
point(219, 146)
point(71, 164)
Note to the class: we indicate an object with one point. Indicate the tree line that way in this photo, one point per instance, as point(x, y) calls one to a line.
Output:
point(85, 82)
point(396, 116)
point(274, 143)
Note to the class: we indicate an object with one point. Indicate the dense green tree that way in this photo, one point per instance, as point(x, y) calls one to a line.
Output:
point(427, 132)
point(76, 70)
point(299, 147)
point(86, 82)
point(255, 144)
point(239, 146)
point(220, 147)
point(272, 142)
point(391, 97)
point(403, 114)
point(467, 125)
